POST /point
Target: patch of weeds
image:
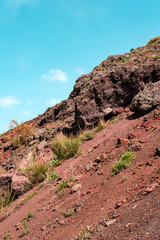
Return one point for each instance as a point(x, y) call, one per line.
point(101, 124)
point(65, 147)
point(30, 215)
point(86, 135)
point(22, 133)
point(29, 196)
point(136, 51)
point(38, 172)
point(7, 235)
point(69, 213)
point(114, 120)
point(124, 179)
point(71, 179)
point(53, 176)
point(55, 162)
point(26, 188)
point(125, 59)
point(153, 40)
point(85, 234)
point(124, 162)
point(156, 56)
point(147, 50)
point(40, 185)
point(24, 228)
point(62, 185)
point(7, 200)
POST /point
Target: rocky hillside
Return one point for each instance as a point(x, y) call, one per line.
point(114, 112)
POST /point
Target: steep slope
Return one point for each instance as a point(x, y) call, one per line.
point(125, 91)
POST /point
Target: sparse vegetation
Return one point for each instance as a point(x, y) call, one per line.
point(62, 186)
point(7, 235)
point(124, 162)
point(7, 200)
point(86, 135)
point(65, 147)
point(29, 196)
point(147, 50)
point(124, 179)
point(114, 120)
point(101, 125)
point(69, 213)
point(156, 56)
point(22, 133)
point(24, 228)
point(26, 188)
point(85, 234)
point(37, 173)
point(30, 215)
point(153, 40)
point(53, 176)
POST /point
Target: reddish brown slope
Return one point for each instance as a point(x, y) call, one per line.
point(133, 204)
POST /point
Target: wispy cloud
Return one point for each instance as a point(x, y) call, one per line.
point(29, 102)
point(52, 102)
point(55, 75)
point(25, 112)
point(80, 70)
point(9, 101)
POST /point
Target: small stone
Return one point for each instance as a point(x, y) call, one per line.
point(151, 188)
point(122, 141)
point(43, 228)
point(110, 222)
point(76, 187)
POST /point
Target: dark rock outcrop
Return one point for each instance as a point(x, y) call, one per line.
point(112, 84)
point(147, 99)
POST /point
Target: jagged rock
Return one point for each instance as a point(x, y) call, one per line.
point(5, 183)
point(19, 183)
point(147, 99)
point(42, 145)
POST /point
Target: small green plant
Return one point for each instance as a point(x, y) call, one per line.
point(124, 179)
point(153, 40)
point(65, 147)
point(24, 228)
point(136, 51)
point(147, 50)
point(114, 120)
point(69, 213)
point(86, 135)
point(30, 215)
point(62, 186)
point(7, 235)
point(38, 172)
point(101, 125)
point(26, 188)
point(124, 162)
point(7, 200)
point(53, 176)
point(85, 234)
point(156, 56)
point(29, 196)
point(55, 162)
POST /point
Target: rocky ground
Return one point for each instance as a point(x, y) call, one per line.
point(125, 90)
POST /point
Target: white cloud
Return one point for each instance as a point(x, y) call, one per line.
point(80, 70)
point(25, 112)
point(55, 75)
point(52, 102)
point(9, 101)
point(29, 102)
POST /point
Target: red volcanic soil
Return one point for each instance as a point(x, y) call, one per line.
point(112, 207)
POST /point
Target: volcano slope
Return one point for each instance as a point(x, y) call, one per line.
point(97, 203)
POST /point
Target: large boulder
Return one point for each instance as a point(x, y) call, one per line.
point(19, 183)
point(147, 99)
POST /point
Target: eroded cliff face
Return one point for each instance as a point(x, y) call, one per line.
point(110, 85)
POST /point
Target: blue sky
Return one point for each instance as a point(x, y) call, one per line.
point(45, 45)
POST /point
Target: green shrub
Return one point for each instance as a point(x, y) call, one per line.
point(69, 213)
point(53, 176)
point(124, 162)
point(156, 56)
point(30, 215)
point(86, 135)
point(62, 186)
point(29, 196)
point(65, 147)
point(114, 120)
point(8, 199)
point(38, 172)
point(153, 40)
point(101, 125)
point(7, 235)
